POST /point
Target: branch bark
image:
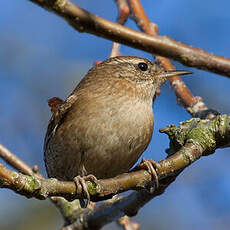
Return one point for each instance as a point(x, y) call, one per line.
point(84, 21)
point(129, 205)
point(192, 104)
point(188, 142)
point(16, 162)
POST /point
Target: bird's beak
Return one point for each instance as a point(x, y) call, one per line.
point(171, 73)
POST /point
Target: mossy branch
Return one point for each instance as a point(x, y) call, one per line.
point(188, 142)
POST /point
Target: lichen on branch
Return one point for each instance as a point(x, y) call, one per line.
point(188, 142)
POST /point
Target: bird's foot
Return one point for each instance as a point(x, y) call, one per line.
point(81, 182)
point(151, 166)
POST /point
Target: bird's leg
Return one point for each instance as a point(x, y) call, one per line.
point(81, 181)
point(150, 166)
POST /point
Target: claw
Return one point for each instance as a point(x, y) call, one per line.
point(150, 166)
point(81, 181)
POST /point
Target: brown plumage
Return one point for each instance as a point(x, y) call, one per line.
point(107, 122)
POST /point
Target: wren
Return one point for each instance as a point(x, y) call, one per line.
point(106, 123)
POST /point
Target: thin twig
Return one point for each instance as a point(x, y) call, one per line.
point(192, 104)
point(123, 14)
point(16, 162)
point(24, 168)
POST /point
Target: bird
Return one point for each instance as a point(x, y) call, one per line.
point(106, 123)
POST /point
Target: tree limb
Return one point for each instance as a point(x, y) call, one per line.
point(192, 104)
point(84, 21)
point(15, 161)
point(188, 142)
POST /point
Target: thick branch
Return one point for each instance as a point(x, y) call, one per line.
point(196, 138)
point(129, 205)
point(115, 208)
point(83, 21)
point(111, 210)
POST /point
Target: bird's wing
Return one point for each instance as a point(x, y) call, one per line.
point(57, 118)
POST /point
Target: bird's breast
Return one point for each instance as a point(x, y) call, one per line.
point(116, 137)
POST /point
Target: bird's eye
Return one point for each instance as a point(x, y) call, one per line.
point(142, 66)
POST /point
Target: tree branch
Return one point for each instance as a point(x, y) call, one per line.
point(123, 15)
point(83, 21)
point(188, 142)
point(16, 162)
point(129, 205)
point(192, 104)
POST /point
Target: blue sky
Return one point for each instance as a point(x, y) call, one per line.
point(41, 56)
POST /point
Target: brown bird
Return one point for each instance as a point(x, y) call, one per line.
point(106, 123)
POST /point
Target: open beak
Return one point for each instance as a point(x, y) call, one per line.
point(171, 73)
